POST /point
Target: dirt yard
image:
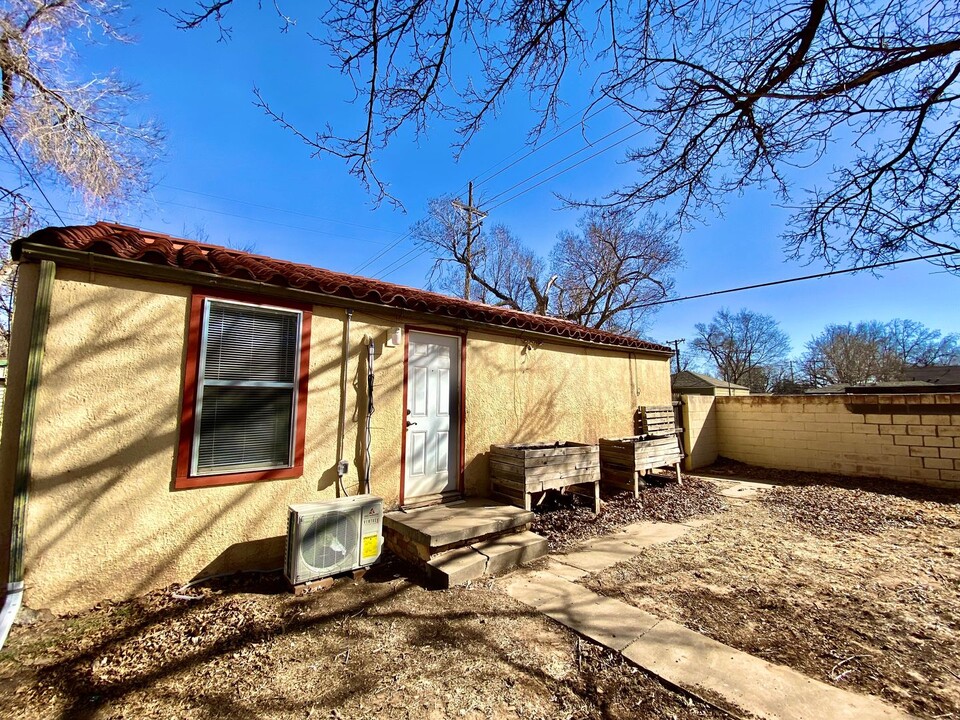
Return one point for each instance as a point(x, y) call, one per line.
point(853, 583)
point(380, 648)
point(567, 520)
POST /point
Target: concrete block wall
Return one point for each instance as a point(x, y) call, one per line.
point(915, 438)
point(699, 431)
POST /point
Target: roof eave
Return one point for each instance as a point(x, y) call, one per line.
point(84, 260)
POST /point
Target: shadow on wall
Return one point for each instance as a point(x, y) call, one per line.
point(103, 521)
point(523, 414)
point(566, 394)
point(265, 555)
point(388, 369)
point(700, 431)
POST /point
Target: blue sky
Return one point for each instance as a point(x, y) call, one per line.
point(242, 180)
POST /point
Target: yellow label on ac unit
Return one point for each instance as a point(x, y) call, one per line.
point(370, 547)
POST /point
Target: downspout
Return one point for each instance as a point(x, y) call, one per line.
point(21, 478)
point(343, 465)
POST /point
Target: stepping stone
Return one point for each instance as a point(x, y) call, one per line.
point(690, 660)
point(645, 534)
point(557, 567)
point(604, 620)
point(599, 554)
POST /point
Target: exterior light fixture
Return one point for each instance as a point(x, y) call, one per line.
point(394, 336)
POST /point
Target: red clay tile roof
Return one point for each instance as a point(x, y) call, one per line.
point(129, 243)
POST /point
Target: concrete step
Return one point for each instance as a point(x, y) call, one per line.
point(441, 526)
point(495, 556)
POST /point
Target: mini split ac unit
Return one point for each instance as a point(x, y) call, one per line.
point(335, 536)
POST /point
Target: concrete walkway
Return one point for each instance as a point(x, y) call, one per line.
point(680, 656)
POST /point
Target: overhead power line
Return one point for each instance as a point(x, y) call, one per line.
point(383, 252)
point(562, 160)
point(561, 172)
point(816, 276)
point(30, 173)
point(803, 277)
point(400, 239)
point(537, 148)
point(269, 222)
point(478, 182)
point(401, 261)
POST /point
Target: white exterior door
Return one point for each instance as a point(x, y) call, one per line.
point(433, 415)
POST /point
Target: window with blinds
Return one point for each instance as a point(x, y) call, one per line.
point(247, 388)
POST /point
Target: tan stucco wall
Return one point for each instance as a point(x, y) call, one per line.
point(699, 431)
point(914, 438)
point(519, 391)
point(103, 520)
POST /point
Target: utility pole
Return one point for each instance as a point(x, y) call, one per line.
point(676, 349)
point(469, 210)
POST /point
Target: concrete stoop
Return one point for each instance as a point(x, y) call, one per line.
point(464, 541)
point(491, 557)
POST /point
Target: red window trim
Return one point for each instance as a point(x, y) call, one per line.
point(183, 479)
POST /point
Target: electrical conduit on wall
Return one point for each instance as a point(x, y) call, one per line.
point(341, 463)
point(368, 437)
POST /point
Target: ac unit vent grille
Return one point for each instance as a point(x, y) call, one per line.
point(333, 536)
point(328, 541)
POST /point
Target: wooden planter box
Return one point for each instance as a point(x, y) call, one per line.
point(519, 471)
point(624, 461)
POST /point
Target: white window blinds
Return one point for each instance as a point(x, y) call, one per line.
point(247, 390)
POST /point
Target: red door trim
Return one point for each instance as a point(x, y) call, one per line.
point(462, 336)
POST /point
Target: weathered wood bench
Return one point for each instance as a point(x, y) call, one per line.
point(518, 472)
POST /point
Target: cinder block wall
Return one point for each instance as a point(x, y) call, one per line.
point(699, 431)
point(915, 438)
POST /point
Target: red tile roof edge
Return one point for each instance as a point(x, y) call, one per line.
point(130, 243)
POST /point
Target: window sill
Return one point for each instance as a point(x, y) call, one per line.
point(202, 481)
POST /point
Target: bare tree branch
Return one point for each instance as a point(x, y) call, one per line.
point(727, 95)
point(77, 127)
point(59, 124)
point(745, 347)
point(601, 277)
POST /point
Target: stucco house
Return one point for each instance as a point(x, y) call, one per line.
point(168, 399)
point(687, 382)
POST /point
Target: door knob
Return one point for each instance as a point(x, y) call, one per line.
point(410, 422)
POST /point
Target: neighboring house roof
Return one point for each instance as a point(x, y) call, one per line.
point(687, 379)
point(128, 243)
point(935, 374)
